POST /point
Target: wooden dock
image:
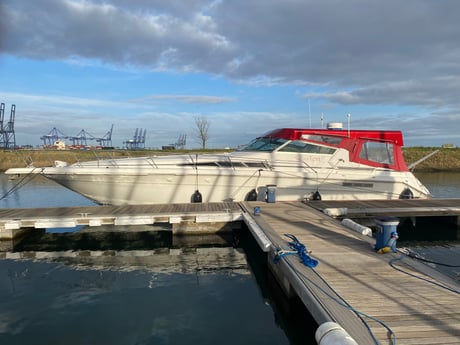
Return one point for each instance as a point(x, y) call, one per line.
point(351, 273)
point(396, 207)
point(180, 215)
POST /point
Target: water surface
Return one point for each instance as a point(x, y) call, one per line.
point(135, 300)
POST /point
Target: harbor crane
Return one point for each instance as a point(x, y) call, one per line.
point(106, 140)
point(80, 139)
point(138, 140)
point(180, 143)
point(7, 135)
point(53, 136)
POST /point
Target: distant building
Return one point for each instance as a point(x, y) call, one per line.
point(448, 146)
point(59, 145)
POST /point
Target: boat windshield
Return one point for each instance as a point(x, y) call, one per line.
point(283, 145)
point(327, 139)
point(303, 147)
point(264, 144)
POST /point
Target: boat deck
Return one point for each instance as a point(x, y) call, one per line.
point(351, 273)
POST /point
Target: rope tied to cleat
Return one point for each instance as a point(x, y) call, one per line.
point(296, 248)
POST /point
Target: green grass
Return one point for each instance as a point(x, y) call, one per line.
point(444, 160)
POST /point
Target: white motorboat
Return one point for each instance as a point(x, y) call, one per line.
point(285, 164)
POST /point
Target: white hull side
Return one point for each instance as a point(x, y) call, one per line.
point(165, 188)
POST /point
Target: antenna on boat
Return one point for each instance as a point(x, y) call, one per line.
point(348, 123)
point(322, 120)
point(196, 196)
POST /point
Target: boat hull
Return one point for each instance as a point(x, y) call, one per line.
point(165, 188)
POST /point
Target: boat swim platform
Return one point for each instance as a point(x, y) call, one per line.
point(352, 276)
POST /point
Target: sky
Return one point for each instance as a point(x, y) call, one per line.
point(247, 67)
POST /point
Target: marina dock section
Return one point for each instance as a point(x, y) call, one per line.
point(191, 218)
point(353, 285)
point(376, 298)
point(417, 217)
point(396, 207)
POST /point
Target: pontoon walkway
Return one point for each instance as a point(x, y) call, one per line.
point(351, 272)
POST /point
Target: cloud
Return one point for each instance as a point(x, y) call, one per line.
point(188, 99)
point(59, 101)
point(360, 43)
point(379, 51)
point(120, 33)
point(352, 53)
point(420, 92)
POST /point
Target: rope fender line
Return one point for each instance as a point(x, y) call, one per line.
point(296, 248)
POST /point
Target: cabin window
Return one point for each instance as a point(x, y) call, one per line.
point(303, 147)
point(323, 138)
point(264, 144)
point(377, 152)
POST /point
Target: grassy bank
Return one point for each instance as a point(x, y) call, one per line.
point(444, 160)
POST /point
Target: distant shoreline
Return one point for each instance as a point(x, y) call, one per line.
point(447, 159)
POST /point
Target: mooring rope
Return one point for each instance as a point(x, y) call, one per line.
point(22, 182)
point(401, 257)
point(299, 248)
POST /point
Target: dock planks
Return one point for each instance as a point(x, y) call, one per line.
point(396, 207)
point(56, 217)
point(417, 312)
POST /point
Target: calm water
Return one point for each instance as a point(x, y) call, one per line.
point(441, 185)
point(135, 302)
